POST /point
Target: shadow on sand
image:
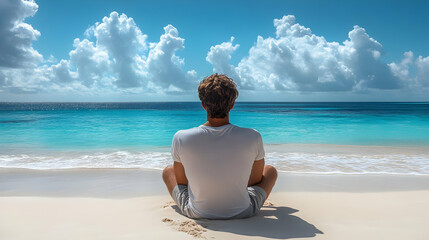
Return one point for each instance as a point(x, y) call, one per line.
point(271, 222)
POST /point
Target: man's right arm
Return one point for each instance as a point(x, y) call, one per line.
point(256, 173)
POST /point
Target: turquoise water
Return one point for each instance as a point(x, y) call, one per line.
point(97, 126)
point(41, 129)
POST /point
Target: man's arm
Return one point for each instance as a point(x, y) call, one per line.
point(256, 173)
point(179, 171)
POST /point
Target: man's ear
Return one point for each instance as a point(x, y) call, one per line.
point(202, 104)
point(232, 106)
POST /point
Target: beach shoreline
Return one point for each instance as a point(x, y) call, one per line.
point(134, 204)
point(135, 182)
point(290, 158)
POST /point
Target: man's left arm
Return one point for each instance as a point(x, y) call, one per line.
point(179, 171)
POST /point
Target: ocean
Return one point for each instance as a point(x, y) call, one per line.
point(322, 137)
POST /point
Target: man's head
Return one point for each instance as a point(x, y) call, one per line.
point(217, 94)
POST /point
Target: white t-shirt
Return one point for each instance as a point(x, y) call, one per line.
point(218, 162)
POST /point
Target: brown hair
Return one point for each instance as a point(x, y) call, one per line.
point(217, 92)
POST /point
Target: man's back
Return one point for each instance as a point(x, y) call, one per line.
point(218, 162)
point(215, 162)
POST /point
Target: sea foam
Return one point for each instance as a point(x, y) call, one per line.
point(297, 162)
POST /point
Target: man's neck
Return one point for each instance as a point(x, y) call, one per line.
point(216, 122)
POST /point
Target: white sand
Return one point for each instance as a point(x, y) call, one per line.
point(47, 205)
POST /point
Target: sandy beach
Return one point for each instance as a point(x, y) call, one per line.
point(133, 204)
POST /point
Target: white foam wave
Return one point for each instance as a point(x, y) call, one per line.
point(350, 163)
point(416, 164)
point(117, 159)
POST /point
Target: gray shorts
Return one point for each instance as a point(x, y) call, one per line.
point(257, 198)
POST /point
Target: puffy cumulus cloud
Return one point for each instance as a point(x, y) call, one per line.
point(413, 71)
point(123, 41)
point(43, 79)
point(122, 57)
point(164, 66)
point(402, 69)
point(17, 36)
point(363, 58)
point(61, 72)
point(114, 56)
point(115, 59)
point(220, 56)
point(17, 80)
point(422, 65)
point(298, 60)
point(91, 63)
point(2, 80)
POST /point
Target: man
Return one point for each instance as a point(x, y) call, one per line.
point(218, 170)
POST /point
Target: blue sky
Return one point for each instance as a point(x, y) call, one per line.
point(308, 66)
point(399, 25)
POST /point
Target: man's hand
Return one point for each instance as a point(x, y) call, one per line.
point(256, 173)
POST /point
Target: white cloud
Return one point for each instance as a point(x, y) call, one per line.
point(2, 80)
point(298, 60)
point(414, 72)
point(164, 66)
point(91, 62)
point(114, 60)
point(123, 41)
point(401, 69)
point(220, 55)
point(17, 36)
point(364, 53)
point(423, 70)
point(119, 59)
point(61, 72)
point(27, 80)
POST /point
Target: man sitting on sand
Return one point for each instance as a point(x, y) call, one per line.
point(218, 170)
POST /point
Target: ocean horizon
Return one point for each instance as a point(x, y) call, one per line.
point(302, 137)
